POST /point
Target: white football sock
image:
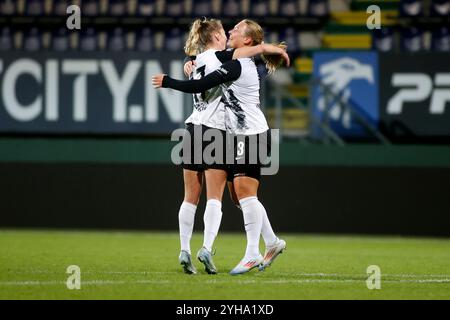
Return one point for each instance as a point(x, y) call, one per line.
point(266, 231)
point(212, 219)
point(186, 217)
point(253, 218)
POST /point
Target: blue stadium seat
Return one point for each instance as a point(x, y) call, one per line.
point(60, 7)
point(6, 39)
point(290, 36)
point(259, 8)
point(318, 8)
point(90, 8)
point(412, 39)
point(32, 40)
point(144, 40)
point(271, 35)
point(60, 40)
point(231, 8)
point(440, 8)
point(8, 7)
point(411, 8)
point(117, 8)
point(441, 39)
point(175, 8)
point(288, 8)
point(146, 8)
point(117, 40)
point(383, 39)
point(88, 39)
point(202, 8)
point(174, 40)
point(34, 7)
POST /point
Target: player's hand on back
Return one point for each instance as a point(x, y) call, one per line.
point(286, 58)
point(277, 49)
point(157, 80)
point(189, 67)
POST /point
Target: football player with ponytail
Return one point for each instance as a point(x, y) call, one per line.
point(207, 42)
point(239, 83)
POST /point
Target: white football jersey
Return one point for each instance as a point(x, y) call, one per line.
point(208, 109)
point(243, 114)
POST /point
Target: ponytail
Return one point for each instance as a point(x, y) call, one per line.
point(191, 46)
point(273, 62)
point(200, 35)
point(256, 33)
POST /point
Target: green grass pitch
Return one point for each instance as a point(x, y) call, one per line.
point(144, 265)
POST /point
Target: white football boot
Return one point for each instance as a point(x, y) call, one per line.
point(205, 257)
point(245, 265)
point(272, 252)
point(186, 262)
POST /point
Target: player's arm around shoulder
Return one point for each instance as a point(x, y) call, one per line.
point(263, 48)
point(227, 72)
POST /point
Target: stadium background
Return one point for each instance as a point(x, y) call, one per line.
point(351, 161)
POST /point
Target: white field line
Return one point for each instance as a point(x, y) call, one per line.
point(214, 281)
point(362, 275)
point(288, 274)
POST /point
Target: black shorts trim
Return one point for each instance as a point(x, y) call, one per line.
point(246, 170)
point(193, 167)
point(197, 147)
point(250, 154)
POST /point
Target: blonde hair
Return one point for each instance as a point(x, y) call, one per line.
point(256, 33)
point(200, 35)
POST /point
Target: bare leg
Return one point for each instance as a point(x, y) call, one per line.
point(233, 195)
point(245, 187)
point(193, 182)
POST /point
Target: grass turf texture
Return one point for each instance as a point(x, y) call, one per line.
point(139, 265)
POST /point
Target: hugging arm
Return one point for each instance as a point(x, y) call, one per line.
point(264, 48)
point(227, 72)
point(243, 52)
